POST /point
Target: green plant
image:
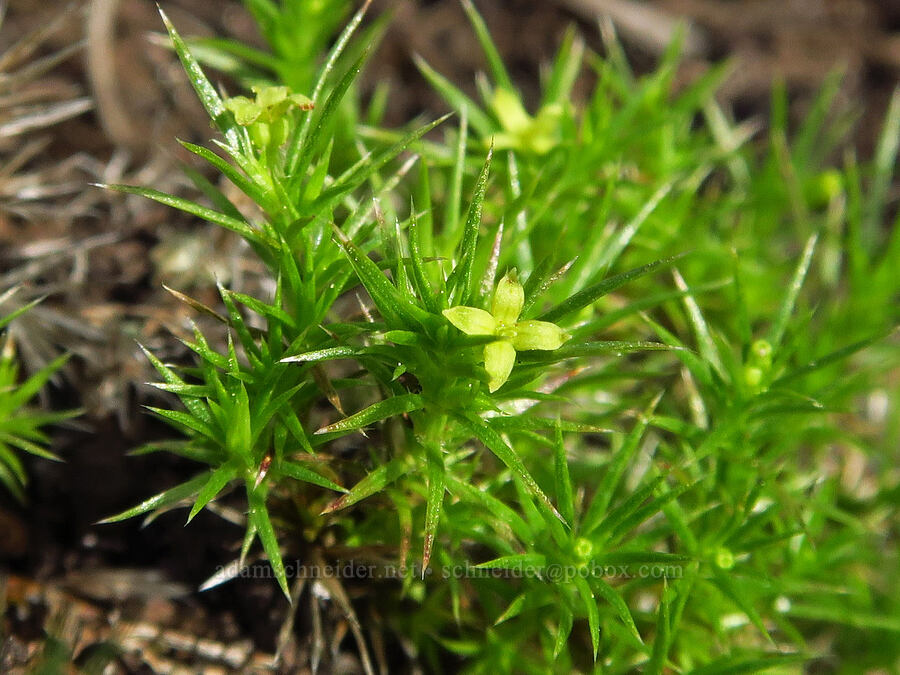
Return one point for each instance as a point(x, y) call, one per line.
point(297, 34)
point(21, 426)
point(603, 466)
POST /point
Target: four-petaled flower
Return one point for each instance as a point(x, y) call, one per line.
point(271, 104)
point(266, 117)
point(519, 130)
point(503, 322)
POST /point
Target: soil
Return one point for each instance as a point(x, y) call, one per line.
point(102, 258)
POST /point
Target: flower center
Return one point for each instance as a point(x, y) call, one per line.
point(506, 330)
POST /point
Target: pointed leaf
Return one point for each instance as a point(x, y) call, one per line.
point(517, 561)
point(495, 443)
point(705, 342)
point(588, 295)
point(374, 482)
point(395, 308)
point(460, 281)
point(327, 354)
point(299, 472)
point(205, 91)
point(736, 665)
point(828, 359)
point(165, 498)
point(513, 609)
point(563, 630)
point(185, 420)
point(417, 263)
point(366, 168)
point(598, 348)
point(658, 656)
point(587, 598)
point(564, 499)
point(457, 100)
point(615, 470)
point(218, 479)
point(736, 593)
point(436, 471)
point(229, 223)
point(396, 405)
point(259, 516)
point(495, 62)
point(610, 594)
point(500, 511)
point(790, 298)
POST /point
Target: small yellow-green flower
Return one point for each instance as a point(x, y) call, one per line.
point(520, 131)
point(265, 117)
point(270, 105)
point(503, 322)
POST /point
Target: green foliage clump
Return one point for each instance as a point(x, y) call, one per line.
point(603, 391)
point(22, 426)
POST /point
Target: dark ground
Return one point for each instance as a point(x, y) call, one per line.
point(101, 258)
